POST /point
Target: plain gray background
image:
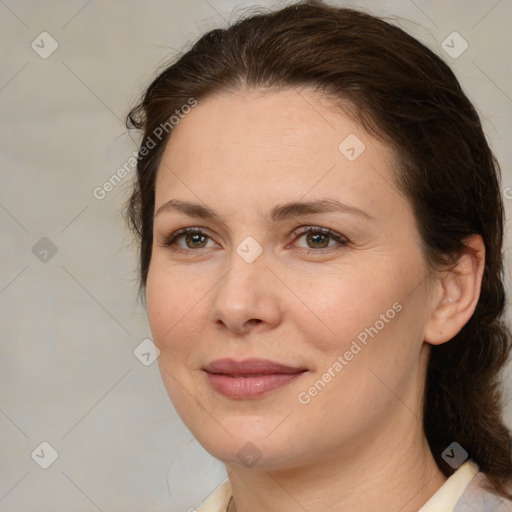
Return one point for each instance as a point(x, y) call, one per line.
point(69, 316)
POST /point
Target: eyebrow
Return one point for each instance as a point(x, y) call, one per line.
point(278, 213)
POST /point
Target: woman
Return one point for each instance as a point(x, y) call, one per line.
point(320, 227)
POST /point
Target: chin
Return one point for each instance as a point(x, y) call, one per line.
point(251, 451)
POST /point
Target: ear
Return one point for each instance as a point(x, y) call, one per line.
point(458, 293)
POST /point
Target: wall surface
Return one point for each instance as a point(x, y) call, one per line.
point(70, 324)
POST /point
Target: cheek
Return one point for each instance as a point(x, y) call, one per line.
point(173, 304)
point(161, 304)
point(361, 372)
point(342, 306)
point(173, 309)
point(362, 322)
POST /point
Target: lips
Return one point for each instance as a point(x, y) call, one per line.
point(249, 367)
point(250, 378)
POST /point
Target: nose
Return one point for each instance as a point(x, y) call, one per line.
point(247, 297)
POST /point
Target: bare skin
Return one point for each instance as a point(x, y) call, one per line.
point(358, 443)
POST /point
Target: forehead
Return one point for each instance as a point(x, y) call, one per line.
point(290, 142)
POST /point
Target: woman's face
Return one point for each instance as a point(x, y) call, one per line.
point(345, 310)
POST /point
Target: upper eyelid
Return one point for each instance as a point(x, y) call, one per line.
point(297, 232)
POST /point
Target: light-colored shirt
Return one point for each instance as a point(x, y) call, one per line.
point(462, 492)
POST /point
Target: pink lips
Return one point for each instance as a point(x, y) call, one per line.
point(249, 378)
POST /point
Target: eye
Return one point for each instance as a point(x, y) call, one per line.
point(319, 238)
point(193, 238)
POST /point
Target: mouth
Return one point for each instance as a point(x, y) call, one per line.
point(249, 378)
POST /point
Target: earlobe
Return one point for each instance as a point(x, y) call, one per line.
point(460, 291)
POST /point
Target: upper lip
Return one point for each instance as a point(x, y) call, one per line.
point(249, 366)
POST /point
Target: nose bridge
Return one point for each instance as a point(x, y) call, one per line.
point(246, 272)
point(244, 292)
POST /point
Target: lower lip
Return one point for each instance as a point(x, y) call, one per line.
point(249, 387)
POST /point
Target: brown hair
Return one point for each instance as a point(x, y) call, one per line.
point(405, 94)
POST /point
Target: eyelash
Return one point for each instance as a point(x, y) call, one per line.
point(341, 240)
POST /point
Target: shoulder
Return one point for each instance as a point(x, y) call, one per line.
point(476, 498)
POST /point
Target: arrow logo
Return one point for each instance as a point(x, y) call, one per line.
point(44, 45)
point(455, 455)
point(146, 352)
point(454, 45)
point(249, 249)
point(44, 455)
point(44, 250)
point(351, 147)
point(249, 454)
point(451, 455)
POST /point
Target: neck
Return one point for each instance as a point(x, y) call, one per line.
point(398, 474)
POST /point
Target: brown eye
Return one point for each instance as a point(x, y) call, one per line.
point(317, 240)
point(194, 240)
point(321, 238)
